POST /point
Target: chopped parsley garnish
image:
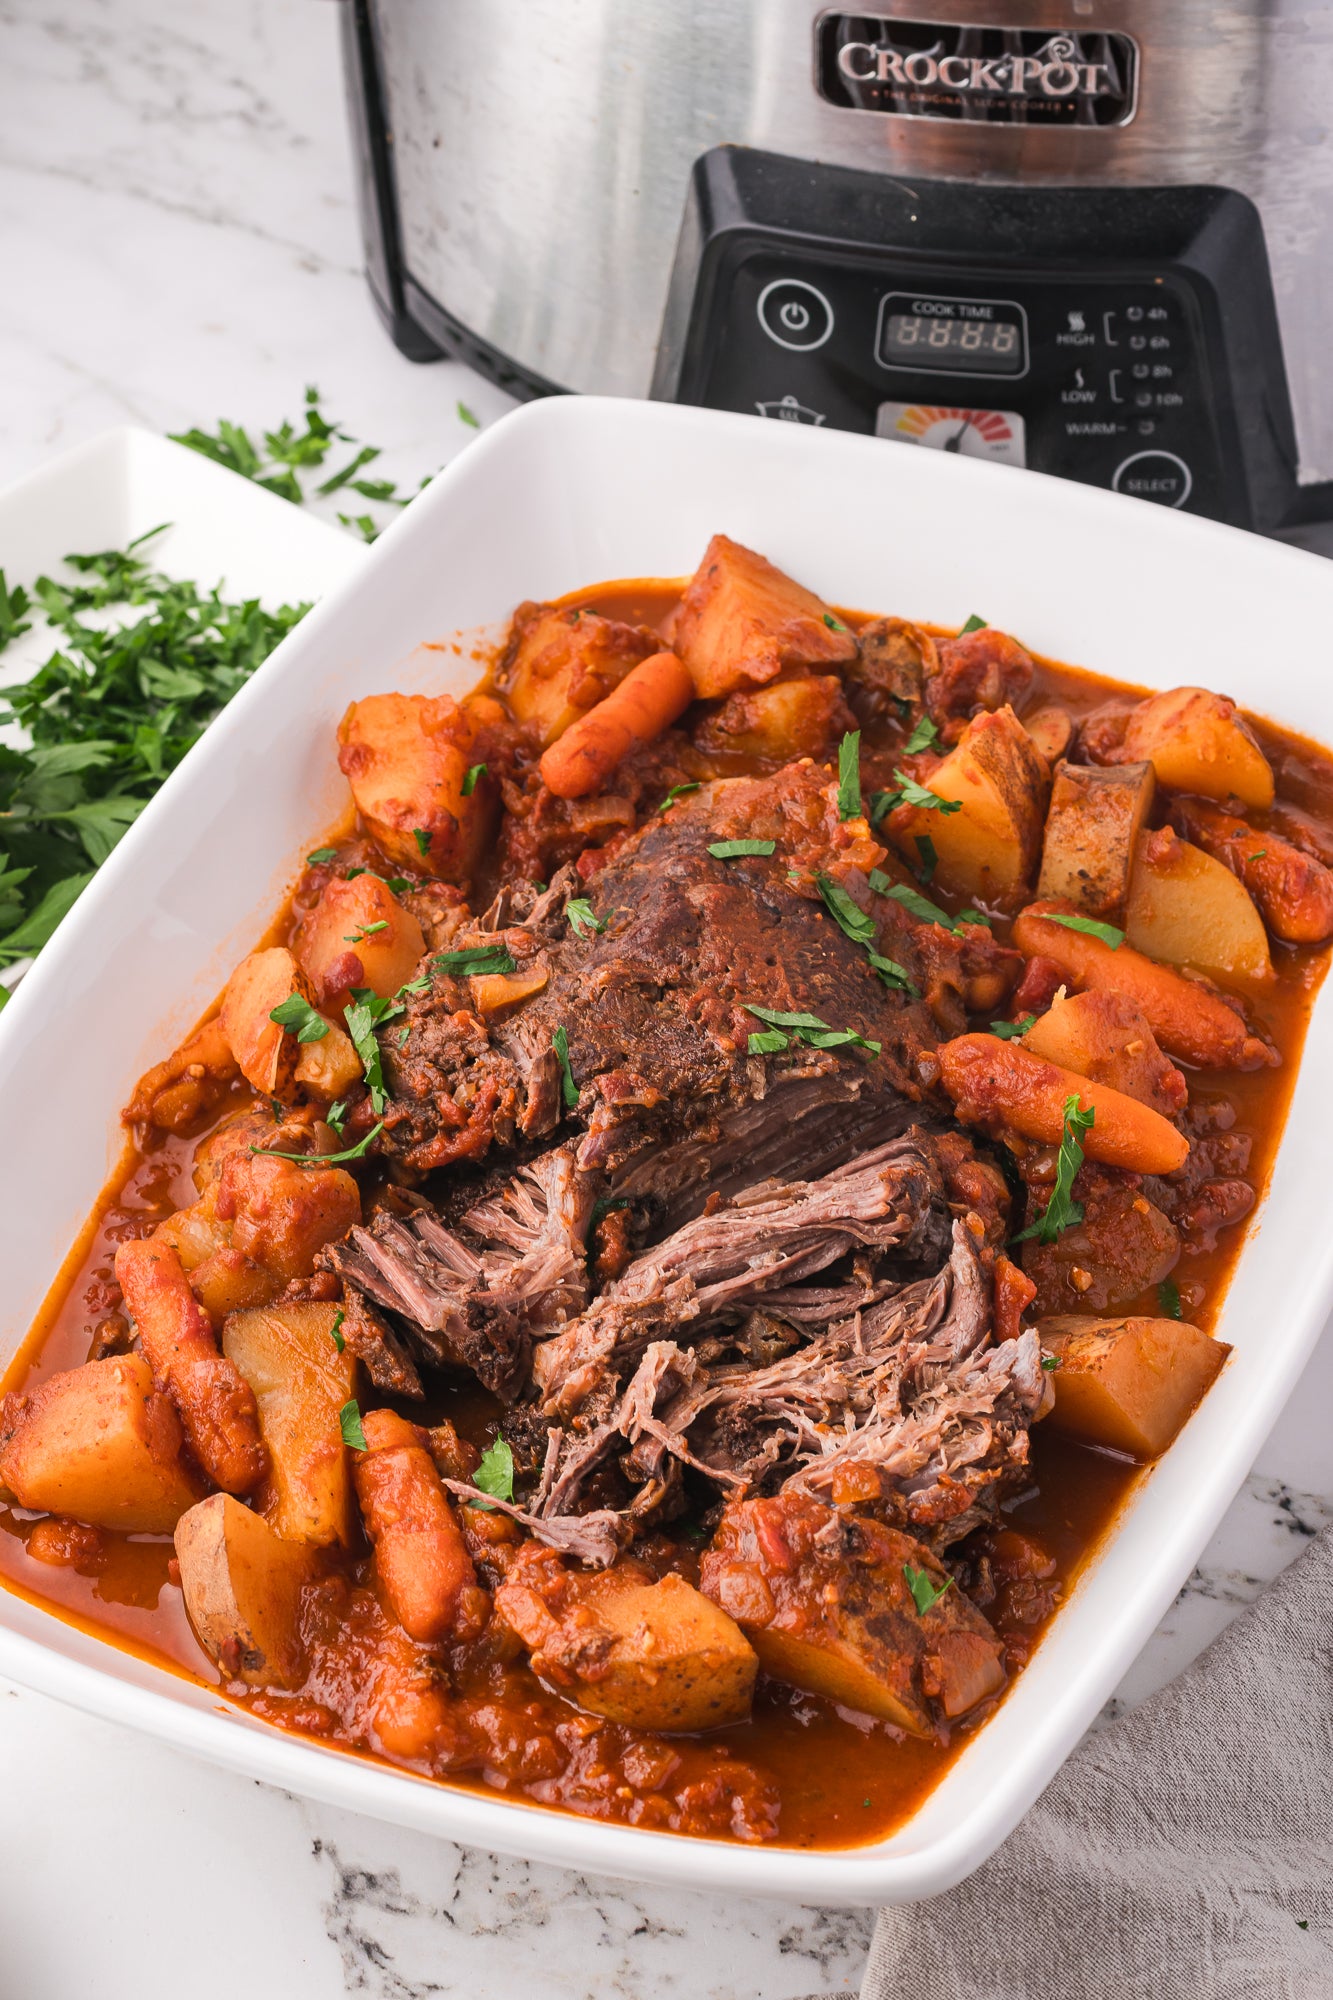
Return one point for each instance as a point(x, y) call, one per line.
point(922, 736)
point(881, 803)
point(732, 850)
point(297, 1017)
point(469, 784)
point(971, 916)
point(320, 856)
point(569, 1089)
point(1257, 857)
point(581, 917)
point(1090, 926)
point(834, 624)
point(911, 899)
point(349, 1423)
point(849, 775)
point(913, 794)
point(366, 930)
point(465, 416)
point(422, 839)
point(365, 1012)
point(855, 924)
point(395, 884)
point(276, 1110)
point(495, 1474)
point(925, 847)
point(1168, 1298)
point(974, 624)
point(471, 960)
point(336, 1330)
point(1061, 1212)
point(1050, 1362)
point(336, 1116)
point(403, 1033)
point(605, 1204)
point(678, 792)
point(806, 1028)
point(356, 1152)
point(770, 1043)
point(924, 1592)
point(1006, 1030)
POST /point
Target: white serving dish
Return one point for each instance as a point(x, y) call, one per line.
point(560, 494)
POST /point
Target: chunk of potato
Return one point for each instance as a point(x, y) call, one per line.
point(1197, 741)
point(824, 1598)
point(1188, 909)
point(1052, 730)
point(741, 621)
point(406, 757)
point(242, 1587)
point(1096, 815)
point(265, 1053)
point(559, 663)
point(98, 1444)
point(1105, 1036)
point(281, 1215)
point(801, 717)
point(358, 934)
point(1293, 890)
point(1128, 1384)
point(328, 1068)
point(990, 846)
point(301, 1382)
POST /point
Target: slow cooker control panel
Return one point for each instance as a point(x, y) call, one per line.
point(1075, 332)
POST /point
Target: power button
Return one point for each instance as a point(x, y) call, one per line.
point(795, 314)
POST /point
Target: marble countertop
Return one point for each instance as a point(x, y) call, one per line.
point(181, 244)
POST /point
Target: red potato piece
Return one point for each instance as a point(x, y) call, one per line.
point(1187, 909)
point(1128, 1384)
point(1191, 1022)
point(823, 1596)
point(242, 1586)
point(647, 701)
point(98, 1444)
point(1052, 731)
point(559, 663)
point(1293, 890)
point(1105, 1036)
point(328, 1068)
point(999, 1084)
point(420, 1556)
point(1093, 824)
point(406, 757)
point(194, 1079)
point(802, 717)
point(215, 1405)
point(741, 621)
point(281, 1215)
point(301, 1382)
point(265, 1053)
point(1199, 742)
point(358, 934)
point(989, 846)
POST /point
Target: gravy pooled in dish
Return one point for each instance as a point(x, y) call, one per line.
point(643, 1297)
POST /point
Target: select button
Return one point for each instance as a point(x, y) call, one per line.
point(1155, 475)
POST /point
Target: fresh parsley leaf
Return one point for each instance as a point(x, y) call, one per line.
point(605, 1204)
point(971, 916)
point(732, 850)
point(847, 915)
point(356, 1152)
point(677, 792)
point(365, 1012)
point(422, 839)
point(465, 416)
point(366, 930)
point(922, 736)
point(769, 1043)
point(495, 1475)
point(336, 1116)
point(469, 784)
point(834, 624)
point(912, 794)
point(1168, 1298)
point(395, 884)
point(297, 1017)
point(1249, 857)
point(911, 899)
point(894, 975)
point(336, 1332)
point(1050, 1362)
point(810, 1029)
point(349, 1423)
point(925, 847)
point(473, 959)
point(581, 918)
point(1061, 1212)
point(974, 624)
point(569, 1089)
point(1089, 925)
point(1007, 1030)
point(924, 1592)
point(322, 855)
point(849, 775)
point(13, 604)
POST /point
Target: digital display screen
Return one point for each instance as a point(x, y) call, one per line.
point(965, 346)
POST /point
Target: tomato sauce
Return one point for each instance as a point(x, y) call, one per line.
point(819, 1776)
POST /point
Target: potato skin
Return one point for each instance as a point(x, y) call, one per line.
point(264, 1052)
point(405, 757)
point(337, 949)
point(990, 847)
point(1199, 742)
point(1129, 1383)
point(300, 1383)
point(98, 1444)
point(741, 621)
point(242, 1587)
point(1092, 827)
point(1188, 909)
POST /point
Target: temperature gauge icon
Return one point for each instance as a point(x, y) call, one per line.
point(994, 434)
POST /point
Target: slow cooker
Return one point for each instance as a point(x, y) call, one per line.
point(1093, 237)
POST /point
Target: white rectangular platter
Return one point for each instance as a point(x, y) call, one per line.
point(561, 494)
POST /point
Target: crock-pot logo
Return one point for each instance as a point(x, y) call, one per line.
point(921, 69)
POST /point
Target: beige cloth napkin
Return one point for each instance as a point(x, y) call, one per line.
point(1183, 1853)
